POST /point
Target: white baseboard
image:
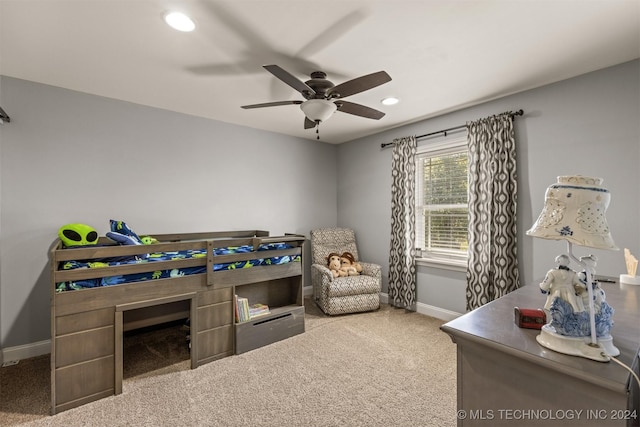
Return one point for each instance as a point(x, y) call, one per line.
point(307, 291)
point(20, 352)
point(437, 312)
point(428, 310)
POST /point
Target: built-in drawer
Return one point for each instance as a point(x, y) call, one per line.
point(214, 296)
point(84, 379)
point(215, 315)
point(215, 343)
point(264, 330)
point(83, 346)
point(83, 321)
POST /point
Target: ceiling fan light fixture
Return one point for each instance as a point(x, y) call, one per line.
point(391, 100)
point(318, 110)
point(179, 21)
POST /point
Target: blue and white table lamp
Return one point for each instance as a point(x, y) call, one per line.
point(580, 319)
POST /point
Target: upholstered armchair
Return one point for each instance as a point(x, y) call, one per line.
point(340, 295)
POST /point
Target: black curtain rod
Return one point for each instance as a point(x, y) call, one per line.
point(444, 131)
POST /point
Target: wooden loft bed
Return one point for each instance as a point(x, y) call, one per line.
point(87, 324)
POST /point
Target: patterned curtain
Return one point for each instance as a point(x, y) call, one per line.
point(402, 268)
point(493, 265)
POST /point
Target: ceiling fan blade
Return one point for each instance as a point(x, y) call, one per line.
point(291, 80)
point(359, 110)
point(309, 124)
point(333, 33)
point(359, 84)
point(272, 104)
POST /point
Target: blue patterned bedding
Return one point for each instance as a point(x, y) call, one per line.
point(168, 256)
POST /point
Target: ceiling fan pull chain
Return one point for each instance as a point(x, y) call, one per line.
point(318, 130)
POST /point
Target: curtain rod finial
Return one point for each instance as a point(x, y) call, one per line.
point(4, 117)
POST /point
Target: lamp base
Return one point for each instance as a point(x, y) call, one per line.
point(577, 346)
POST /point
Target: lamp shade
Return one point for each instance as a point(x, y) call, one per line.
point(574, 210)
point(318, 110)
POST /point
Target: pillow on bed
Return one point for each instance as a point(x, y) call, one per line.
point(122, 234)
point(122, 238)
point(121, 227)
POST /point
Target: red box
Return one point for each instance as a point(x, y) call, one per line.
point(530, 318)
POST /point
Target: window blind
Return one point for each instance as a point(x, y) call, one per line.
point(442, 203)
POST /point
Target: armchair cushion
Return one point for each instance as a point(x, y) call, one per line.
point(348, 285)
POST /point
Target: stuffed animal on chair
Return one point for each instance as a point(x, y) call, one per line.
point(349, 265)
point(334, 264)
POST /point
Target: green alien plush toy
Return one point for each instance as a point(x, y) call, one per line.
point(78, 235)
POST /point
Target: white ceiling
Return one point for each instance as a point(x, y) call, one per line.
point(441, 54)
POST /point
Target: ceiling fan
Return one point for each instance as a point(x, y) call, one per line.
point(323, 98)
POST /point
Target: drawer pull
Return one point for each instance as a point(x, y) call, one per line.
point(272, 319)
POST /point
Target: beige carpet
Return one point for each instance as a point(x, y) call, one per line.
point(385, 368)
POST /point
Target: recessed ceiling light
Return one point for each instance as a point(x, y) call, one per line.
point(390, 101)
point(179, 21)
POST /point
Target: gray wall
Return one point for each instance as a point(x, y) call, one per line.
point(72, 157)
point(588, 125)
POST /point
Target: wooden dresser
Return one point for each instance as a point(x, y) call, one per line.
point(506, 378)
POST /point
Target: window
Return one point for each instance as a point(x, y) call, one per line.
point(441, 200)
